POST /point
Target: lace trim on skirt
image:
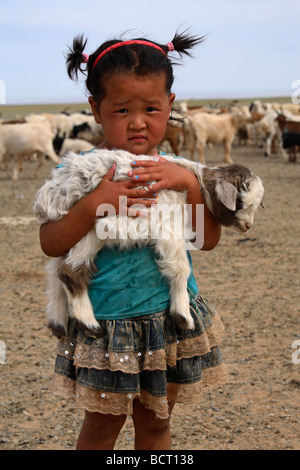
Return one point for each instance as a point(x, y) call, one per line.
point(91, 356)
point(122, 403)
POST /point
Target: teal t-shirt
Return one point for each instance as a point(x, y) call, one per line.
point(128, 283)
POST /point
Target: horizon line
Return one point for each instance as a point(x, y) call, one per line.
point(206, 98)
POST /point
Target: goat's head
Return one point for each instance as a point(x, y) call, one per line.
point(58, 141)
point(234, 194)
point(80, 128)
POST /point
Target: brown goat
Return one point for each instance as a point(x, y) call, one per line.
point(290, 127)
point(174, 135)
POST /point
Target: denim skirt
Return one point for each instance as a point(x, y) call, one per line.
point(146, 358)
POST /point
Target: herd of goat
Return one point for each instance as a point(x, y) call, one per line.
point(273, 126)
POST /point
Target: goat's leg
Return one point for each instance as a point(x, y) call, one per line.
point(201, 153)
point(227, 150)
point(17, 166)
point(75, 281)
point(57, 308)
point(174, 266)
point(293, 154)
point(40, 163)
point(192, 152)
point(268, 145)
point(76, 273)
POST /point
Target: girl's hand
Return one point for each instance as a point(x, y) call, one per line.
point(126, 192)
point(168, 175)
point(162, 175)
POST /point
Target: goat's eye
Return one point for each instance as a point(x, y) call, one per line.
point(239, 204)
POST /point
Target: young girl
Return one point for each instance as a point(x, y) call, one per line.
point(143, 364)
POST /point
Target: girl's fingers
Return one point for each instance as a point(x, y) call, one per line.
point(149, 171)
point(145, 163)
point(153, 180)
point(157, 185)
point(145, 176)
point(141, 202)
point(110, 174)
point(136, 213)
point(141, 193)
point(148, 163)
point(135, 206)
point(143, 166)
point(131, 184)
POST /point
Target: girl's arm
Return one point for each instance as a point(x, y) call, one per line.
point(171, 176)
point(57, 237)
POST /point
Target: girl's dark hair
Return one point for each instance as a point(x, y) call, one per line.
point(134, 58)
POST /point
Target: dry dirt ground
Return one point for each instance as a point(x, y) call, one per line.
point(252, 279)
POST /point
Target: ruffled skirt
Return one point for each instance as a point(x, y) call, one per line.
point(146, 357)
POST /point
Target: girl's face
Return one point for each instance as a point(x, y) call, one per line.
point(134, 112)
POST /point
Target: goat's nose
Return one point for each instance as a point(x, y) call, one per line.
point(248, 225)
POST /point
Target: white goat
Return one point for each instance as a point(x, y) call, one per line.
point(269, 129)
point(19, 141)
point(232, 193)
point(217, 128)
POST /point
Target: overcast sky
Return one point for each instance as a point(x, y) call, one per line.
point(251, 50)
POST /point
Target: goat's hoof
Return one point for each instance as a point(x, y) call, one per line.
point(57, 330)
point(95, 332)
point(184, 323)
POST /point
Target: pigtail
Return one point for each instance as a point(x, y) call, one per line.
point(182, 42)
point(75, 58)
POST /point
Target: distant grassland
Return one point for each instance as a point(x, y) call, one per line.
point(10, 112)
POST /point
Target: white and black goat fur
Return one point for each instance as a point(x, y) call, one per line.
point(232, 193)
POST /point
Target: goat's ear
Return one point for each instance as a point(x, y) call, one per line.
point(227, 194)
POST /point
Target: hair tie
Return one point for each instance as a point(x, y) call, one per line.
point(170, 46)
point(85, 58)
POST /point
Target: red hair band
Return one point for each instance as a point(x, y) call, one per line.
point(127, 43)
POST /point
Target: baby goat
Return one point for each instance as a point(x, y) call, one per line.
point(232, 193)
